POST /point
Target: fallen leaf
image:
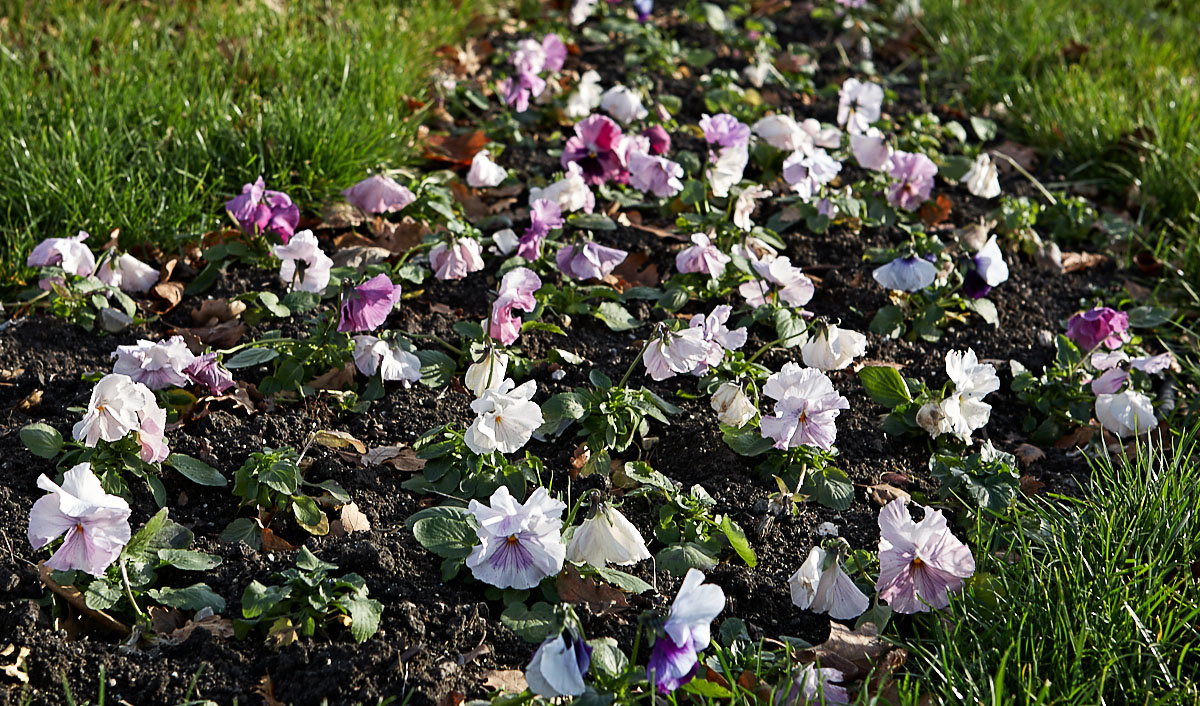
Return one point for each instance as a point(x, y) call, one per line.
point(398, 237)
point(452, 698)
point(579, 459)
point(240, 395)
point(402, 458)
point(1031, 486)
point(1028, 453)
point(338, 440)
point(169, 295)
point(1079, 437)
point(215, 311)
point(883, 493)
point(265, 688)
point(896, 479)
point(853, 652)
point(1073, 51)
point(454, 149)
point(73, 596)
point(340, 214)
point(1021, 154)
point(936, 211)
point(599, 598)
point(33, 399)
point(1080, 261)
point(472, 205)
point(637, 270)
point(11, 374)
point(165, 620)
point(274, 543)
point(664, 233)
point(335, 379)
point(511, 681)
point(1148, 263)
point(223, 335)
point(353, 520)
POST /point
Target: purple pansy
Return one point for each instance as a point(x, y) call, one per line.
point(368, 305)
point(209, 374)
point(588, 261)
point(724, 130)
point(1102, 325)
point(597, 148)
point(516, 292)
point(259, 210)
point(687, 631)
point(544, 216)
point(912, 176)
point(379, 194)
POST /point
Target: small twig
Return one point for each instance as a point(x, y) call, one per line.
point(1025, 173)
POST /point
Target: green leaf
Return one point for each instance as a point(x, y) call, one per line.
point(986, 130)
point(737, 539)
point(139, 543)
point(307, 561)
point(445, 536)
point(364, 617)
point(591, 221)
point(189, 560)
point(888, 321)
point(308, 515)
point(101, 595)
point(607, 658)
point(251, 357)
point(258, 599)
point(194, 597)
point(468, 329)
point(678, 558)
point(599, 379)
point(789, 326)
point(542, 326)
point(282, 476)
point(270, 302)
point(623, 581)
point(885, 385)
point(1149, 316)
point(616, 317)
point(459, 514)
point(533, 625)
point(565, 405)
point(984, 308)
point(436, 368)
point(42, 440)
point(196, 470)
point(707, 689)
point(746, 441)
point(245, 530)
point(830, 486)
point(673, 299)
point(301, 302)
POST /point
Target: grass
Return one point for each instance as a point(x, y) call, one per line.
point(148, 116)
point(1090, 601)
point(1126, 111)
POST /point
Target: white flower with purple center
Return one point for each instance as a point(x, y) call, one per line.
point(520, 543)
point(94, 525)
point(860, 103)
point(672, 352)
point(717, 336)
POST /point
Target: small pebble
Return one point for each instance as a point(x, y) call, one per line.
point(827, 529)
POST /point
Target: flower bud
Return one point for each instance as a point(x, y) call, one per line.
point(929, 418)
point(487, 374)
point(732, 406)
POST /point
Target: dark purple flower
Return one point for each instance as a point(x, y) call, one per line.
point(544, 216)
point(207, 372)
point(258, 210)
point(588, 261)
point(367, 306)
point(672, 665)
point(596, 148)
point(660, 139)
point(1101, 325)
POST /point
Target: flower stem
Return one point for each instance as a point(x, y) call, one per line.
point(129, 590)
point(632, 365)
point(441, 341)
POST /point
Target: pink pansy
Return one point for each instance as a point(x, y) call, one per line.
point(872, 151)
point(717, 336)
point(484, 173)
point(368, 305)
point(724, 130)
point(516, 292)
point(687, 631)
point(1110, 382)
point(379, 194)
point(673, 352)
point(1100, 326)
point(702, 256)
point(94, 525)
point(518, 90)
point(920, 564)
point(456, 260)
point(660, 139)
point(544, 216)
point(588, 261)
point(260, 210)
point(777, 276)
point(155, 365)
point(1153, 363)
point(657, 175)
point(128, 274)
point(912, 180)
point(806, 173)
point(571, 193)
point(373, 355)
point(117, 406)
point(303, 249)
point(151, 436)
point(520, 543)
point(1103, 360)
point(806, 405)
point(209, 374)
point(596, 148)
point(70, 254)
point(828, 137)
point(743, 208)
point(859, 105)
point(555, 51)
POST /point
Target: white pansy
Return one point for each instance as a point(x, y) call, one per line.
point(820, 585)
point(607, 538)
point(983, 179)
point(487, 373)
point(506, 418)
point(393, 363)
point(484, 173)
point(1126, 413)
point(732, 406)
point(586, 97)
point(833, 348)
point(623, 104)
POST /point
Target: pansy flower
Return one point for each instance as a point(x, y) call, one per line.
point(367, 306)
point(520, 543)
point(259, 210)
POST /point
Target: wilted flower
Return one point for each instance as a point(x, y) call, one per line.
point(69, 253)
point(155, 365)
point(920, 564)
point(820, 585)
point(859, 104)
point(660, 139)
point(484, 172)
point(595, 147)
point(686, 633)
point(607, 538)
point(487, 373)
point(743, 208)
point(368, 305)
point(505, 418)
point(95, 524)
point(983, 179)
point(717, 337)
point(906, 274)
point(520, 544)
point(989, 270)
point(778, 273)
point(589, 260)
point(571, 193)
point(783, 133)
point(813, 685)
point(516, 292)
point(832, 348)
point(304, 248)
point(459, 258)
point(702, 256)
point(871, 150)
point(806, 405)
point(623, 104)
point(586, 97)
point(1099, 326)
point(727, 169)
point(379, 194)
point(258, 210)
point(1126, 413)
point(127, 273)
point(671, 352)
point(393, 363)
point(208, 373)
point(723, 130)
point(558, 666)
point(732, 406)
point(656, 175)
point(505, 241)
point(544, 217)
point(1152, 364)
point(912, 176)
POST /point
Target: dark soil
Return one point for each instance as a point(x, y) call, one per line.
point(440, 637)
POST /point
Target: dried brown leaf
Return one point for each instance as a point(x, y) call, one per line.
point(338, 440)
point(353, 520)
point(265, 689)
point(853, 652)
point(167, 295)
point(458, 149)
point(1080, 261)
point(16, 670)
point(215, 311)
point(883, 493)
point(510, 681)
point(335, 379)
point(33, 399)
point(274, 543)
point(1028, 453)
point(599, 598)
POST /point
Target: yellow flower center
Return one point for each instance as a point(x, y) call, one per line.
point(512, 539)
